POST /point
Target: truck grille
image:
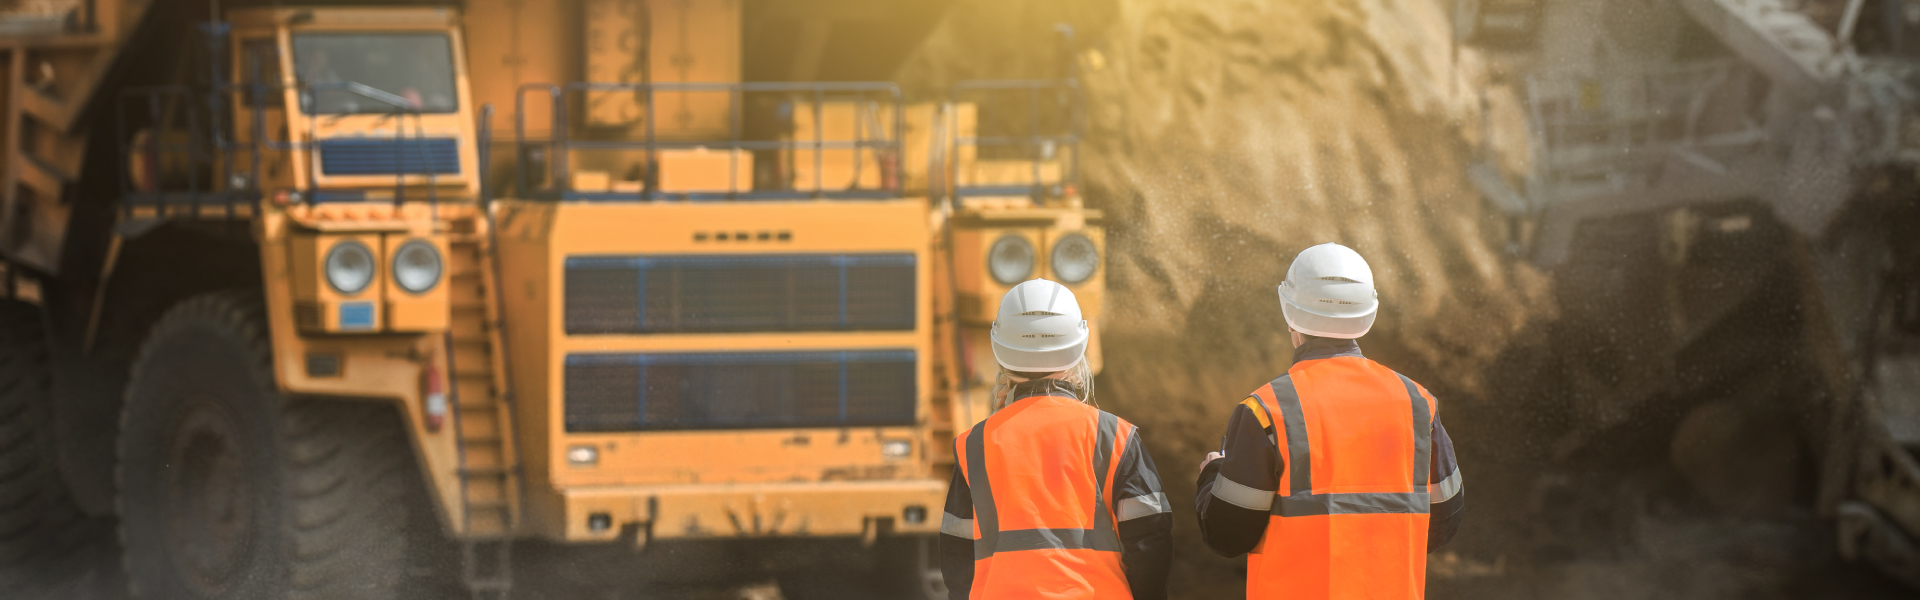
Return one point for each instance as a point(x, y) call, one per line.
point(739, 390)
point(377, 156)
point(701, 294)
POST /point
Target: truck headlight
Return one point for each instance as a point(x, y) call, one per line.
point(1074, 258)
point(896, 448)
point(417, 266)
point(349, 267)
point(1010, 259)
point(583, 456)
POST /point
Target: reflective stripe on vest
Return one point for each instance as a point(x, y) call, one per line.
point(1350, 517)
point(1300, 500)
point(1102, 537)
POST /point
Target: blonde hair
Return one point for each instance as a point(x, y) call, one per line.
point(1077, 379)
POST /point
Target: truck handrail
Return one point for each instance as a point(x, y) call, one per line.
point(159, 148)
point(1041, 144)
point(202, 153)
point(560, 141)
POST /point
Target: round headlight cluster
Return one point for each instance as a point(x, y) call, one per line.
point(1074, 258)
point(417, 266)
point(349, 267)
point(1010, 259)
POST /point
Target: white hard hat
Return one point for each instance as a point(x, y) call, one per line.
point(1039, 329)
point(1329, 293)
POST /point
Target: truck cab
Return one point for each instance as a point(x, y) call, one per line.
point(362, 103)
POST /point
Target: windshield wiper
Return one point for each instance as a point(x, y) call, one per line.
point(365, 91)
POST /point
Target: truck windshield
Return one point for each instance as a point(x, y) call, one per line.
point(409, 68)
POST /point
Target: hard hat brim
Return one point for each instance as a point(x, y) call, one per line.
point(1039, 361)
point(1345, 328)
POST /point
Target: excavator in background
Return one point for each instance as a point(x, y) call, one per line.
point(1733, 187)
point(330, 294)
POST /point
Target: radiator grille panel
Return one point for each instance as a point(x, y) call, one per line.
point(307, 315)
point(699, 294)
point(375, 156)
point(742, 390)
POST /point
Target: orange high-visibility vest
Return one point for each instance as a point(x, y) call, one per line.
point(1041, 475)
point(1351, 517)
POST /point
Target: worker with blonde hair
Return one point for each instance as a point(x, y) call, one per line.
point(1051, 496)
point(1336, 478)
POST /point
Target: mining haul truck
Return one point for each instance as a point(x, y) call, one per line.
point(556, 270)
point(1733, 187)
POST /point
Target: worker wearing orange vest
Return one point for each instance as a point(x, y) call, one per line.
point(1336, 477)
point(1052, 498)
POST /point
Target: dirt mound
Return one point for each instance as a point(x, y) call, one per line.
point(1225, 137)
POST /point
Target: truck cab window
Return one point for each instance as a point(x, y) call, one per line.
point(411, 69)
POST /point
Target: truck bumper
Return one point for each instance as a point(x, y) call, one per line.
point(814, 509)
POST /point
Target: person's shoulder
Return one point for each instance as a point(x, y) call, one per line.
point(1408, 380)
point(1104, 413)
point(1266, 392)
point(1123, 423)
point(1267, 386)
point(960, 437)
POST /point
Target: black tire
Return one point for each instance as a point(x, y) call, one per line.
point(231, 490)
point(894, 568)
point(46, 542)
point(909, 567)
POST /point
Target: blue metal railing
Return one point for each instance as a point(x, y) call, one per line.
point(206, 153)
point(1051, 138)
point(561, 142)
point(1042, 142)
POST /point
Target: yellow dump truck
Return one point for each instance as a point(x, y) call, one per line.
point(309, 277)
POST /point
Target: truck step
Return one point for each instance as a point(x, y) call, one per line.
point(488, 524)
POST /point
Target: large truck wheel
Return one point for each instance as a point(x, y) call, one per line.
point(46, 542)
point(893, 568)
point(231, 490)
point(910, 568)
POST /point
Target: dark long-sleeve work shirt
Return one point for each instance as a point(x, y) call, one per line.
point(1252, 466)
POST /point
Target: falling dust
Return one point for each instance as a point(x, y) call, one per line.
point(1226, 136)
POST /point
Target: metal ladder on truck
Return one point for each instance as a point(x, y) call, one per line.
point(482, 396)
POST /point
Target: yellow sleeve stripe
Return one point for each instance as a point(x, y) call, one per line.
point(1259, 412)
